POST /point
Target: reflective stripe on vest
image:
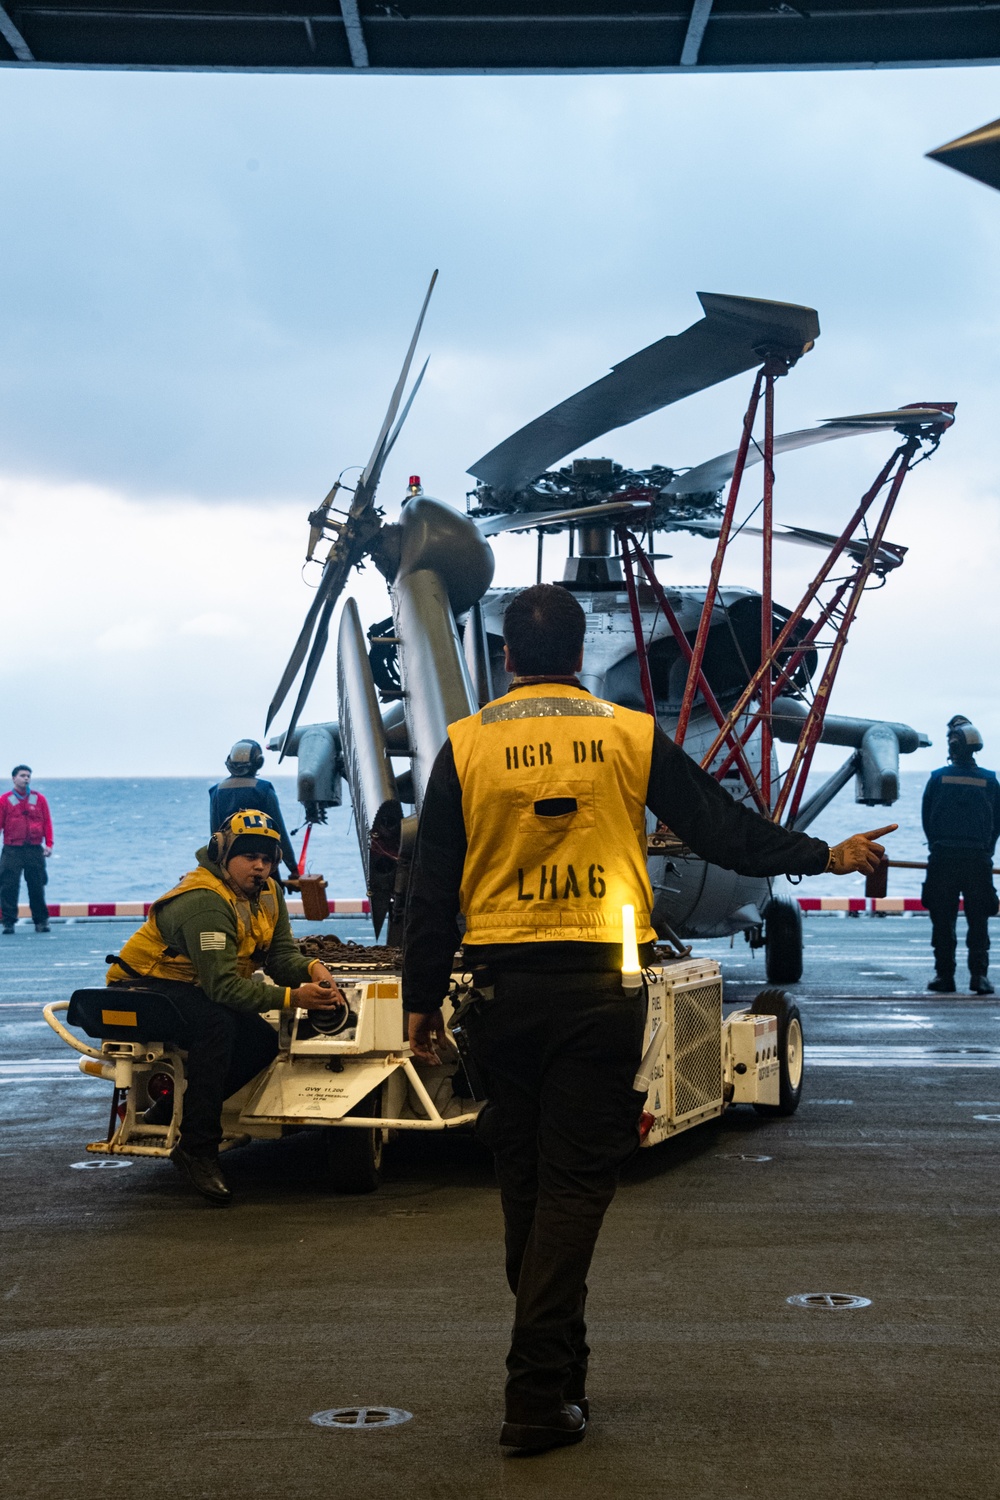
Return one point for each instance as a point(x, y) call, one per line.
point(554, 802)
point(147, 954)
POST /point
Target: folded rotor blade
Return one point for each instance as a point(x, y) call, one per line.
point(349, 549)
point(356, 536)
point(726, 341)
point(715, 472)
point(312, 666)
point(360, 530)
point(890, 553)
point(296, 659)
point(580, 515)
point(374, 468)
point(390, 443)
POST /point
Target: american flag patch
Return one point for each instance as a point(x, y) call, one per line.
point(213, 941)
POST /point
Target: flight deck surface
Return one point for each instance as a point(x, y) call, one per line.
point(152, 1342)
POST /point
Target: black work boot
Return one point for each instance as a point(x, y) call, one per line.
point(547, 1430)
point(203, 1173)
point(943, 984)
point(8, 929)
point(980, 985)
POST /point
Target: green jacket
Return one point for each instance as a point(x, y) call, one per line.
point(186, 917)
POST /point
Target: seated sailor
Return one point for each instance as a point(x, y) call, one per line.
point(199, 945)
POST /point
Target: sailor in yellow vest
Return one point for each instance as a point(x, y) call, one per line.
point(533, 827)
point(199, 946)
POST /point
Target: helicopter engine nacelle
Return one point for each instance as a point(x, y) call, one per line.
point(445, 567)
point(319, 766)
point(877, 781)
point(437, 537)
point(877, 744)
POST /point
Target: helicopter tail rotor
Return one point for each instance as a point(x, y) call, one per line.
point(355, 537)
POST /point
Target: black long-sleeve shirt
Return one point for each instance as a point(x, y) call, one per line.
point(690, 802)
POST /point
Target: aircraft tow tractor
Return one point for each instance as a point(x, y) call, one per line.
point(361, 1085)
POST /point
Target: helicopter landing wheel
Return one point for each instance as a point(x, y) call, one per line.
point(790, 1049)
point(783, 940)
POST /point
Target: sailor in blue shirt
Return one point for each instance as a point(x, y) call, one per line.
point(961, 817)
point(245, 789)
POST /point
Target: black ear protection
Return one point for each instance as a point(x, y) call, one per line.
point(248, 764)
point(217, 844)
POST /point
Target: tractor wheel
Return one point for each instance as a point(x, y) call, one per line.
point(354, 1156)
point(783, 940)
point(790, 1049)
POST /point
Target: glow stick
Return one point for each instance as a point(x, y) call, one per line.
point(631, 972)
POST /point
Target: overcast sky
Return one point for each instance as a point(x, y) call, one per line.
point(209, 282)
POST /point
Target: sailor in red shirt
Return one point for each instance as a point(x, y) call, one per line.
point(26, 826)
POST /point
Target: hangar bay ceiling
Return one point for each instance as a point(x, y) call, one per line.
point(496, 36)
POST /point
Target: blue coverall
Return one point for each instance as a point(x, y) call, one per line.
point(961, 818)
point(238, 793)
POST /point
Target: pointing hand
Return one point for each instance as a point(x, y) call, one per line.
point(860, 854)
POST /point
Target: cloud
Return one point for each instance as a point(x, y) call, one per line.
point(177, 324)
point(215, 626)
point(115, 665)
point(193, 351)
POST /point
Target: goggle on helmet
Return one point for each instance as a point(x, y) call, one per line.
point(963, 734)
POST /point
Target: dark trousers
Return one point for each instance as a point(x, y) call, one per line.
point(29, 860)
point(968, 874)
point(559, 1053)
point(225, 1048)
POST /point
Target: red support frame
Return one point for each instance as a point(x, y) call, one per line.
point(766, 600)
point(783, 638)
point(899, 461)
point(785, 671)
point(782, 655)
point(697, 656)
point(631, 549)
point(624, 538)
point(798, 772)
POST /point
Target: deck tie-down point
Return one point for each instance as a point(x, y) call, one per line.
point(827, 1301)
point(361, 1418)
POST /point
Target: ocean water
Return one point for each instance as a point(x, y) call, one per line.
point(131, 839)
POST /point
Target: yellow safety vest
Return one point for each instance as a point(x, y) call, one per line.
point(554, 802)
point(148, 954)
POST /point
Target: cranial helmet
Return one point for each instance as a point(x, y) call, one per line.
point(245, 758)
point(964, 738)
point(247, 832)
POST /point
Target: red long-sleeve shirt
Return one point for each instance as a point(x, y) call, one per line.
point(25, 820)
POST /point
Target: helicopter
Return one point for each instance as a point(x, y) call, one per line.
point(726, 670)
